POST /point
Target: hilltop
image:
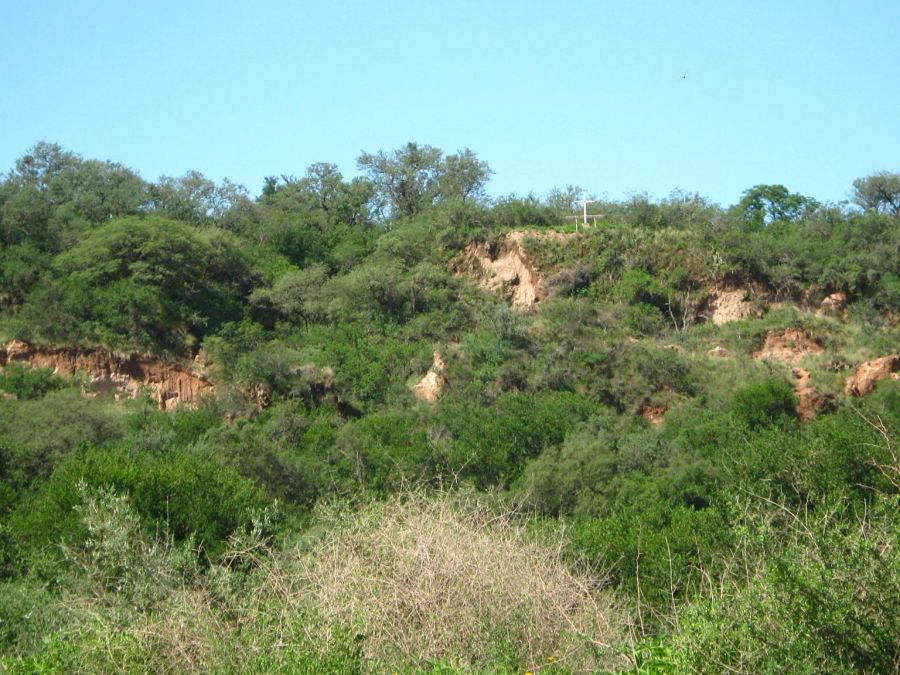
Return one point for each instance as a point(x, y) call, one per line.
point(317, 420)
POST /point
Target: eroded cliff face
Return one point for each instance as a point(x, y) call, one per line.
point(728, 304)
point(430, 386)
point(809, 400)
point(791, 345)
point(170, 384)
point(863, 381)
point(503, 267)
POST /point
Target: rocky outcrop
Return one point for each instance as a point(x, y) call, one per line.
point(789, 346)
point(863, 381)
point(833, 304)
point(429, 387)
point(654, 414)
point(503, 267)
point(170, 384)
point(809, 400)
point(729, 304)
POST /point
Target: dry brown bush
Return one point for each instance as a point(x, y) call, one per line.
point(453, 579)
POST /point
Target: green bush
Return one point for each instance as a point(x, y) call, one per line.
point(814, 592)
point(659, 552)
point(38, 434)
point(142, 284)
point(29, 383)
point(191, 493)
point(492, 444)
point(28, 613)
point(769, 404)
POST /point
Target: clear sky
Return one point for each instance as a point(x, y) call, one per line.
point(616, 97)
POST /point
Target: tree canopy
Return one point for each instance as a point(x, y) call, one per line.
point(879, 192)
point(411, 178)
point(763, 205)
point(140, 283)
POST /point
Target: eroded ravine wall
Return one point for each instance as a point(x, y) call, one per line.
point(169, 384)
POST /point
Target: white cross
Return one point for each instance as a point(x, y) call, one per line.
point(584, 201)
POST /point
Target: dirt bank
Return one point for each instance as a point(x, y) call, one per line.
point(863, 381)
point(503, 267)
point(170, 384)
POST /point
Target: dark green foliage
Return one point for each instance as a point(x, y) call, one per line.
point(836, 453)
point(295, 297)
point(21, 265)
point(194, 493)
point(318, 219)
point(28, 383)
point(763, 205)
point(53, 196)
point(607, 465)
point(578, 477)
point(852, 252)
point(37, 434)
point(195, 199)
point(820, 594)
point(659, 551)
point(27, 615)
point(491, 444)
point(369, 367)
point(879, 192)
point(522, 212)
point(140, 284)
point(286, 451)
point(768, 404)
point(415, 177)
point(384, 451)
point(154, 430)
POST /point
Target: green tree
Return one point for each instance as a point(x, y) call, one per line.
point(463, 177)
point(763, 205)
point(405, 181)
point(195, 199)
point(140, 283)
point(322, 188)
point(879, 192)
point(319, 218)
point(414, 177)
point(52, 196)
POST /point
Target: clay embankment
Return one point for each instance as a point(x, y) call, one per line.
point(170, 384)
point(792, 346)
point(789, 346)
point(863, 381)
point(809, 400)
point(429, 387)
point(504, 268)
point(833, 304)
point(654, 414)
point(727, 304)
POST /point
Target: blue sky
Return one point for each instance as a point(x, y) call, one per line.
point(617, 97)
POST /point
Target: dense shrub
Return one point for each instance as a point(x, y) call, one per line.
point(432, 584)
point(38, 434)
point(193, 494)
point(492, 444)
point(770, 403)
point(817, 593)
point(140, 283)
point(28, 383)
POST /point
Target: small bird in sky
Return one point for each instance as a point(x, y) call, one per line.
point(684, 77)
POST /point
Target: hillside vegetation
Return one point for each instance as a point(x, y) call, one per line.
point(390, 424)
